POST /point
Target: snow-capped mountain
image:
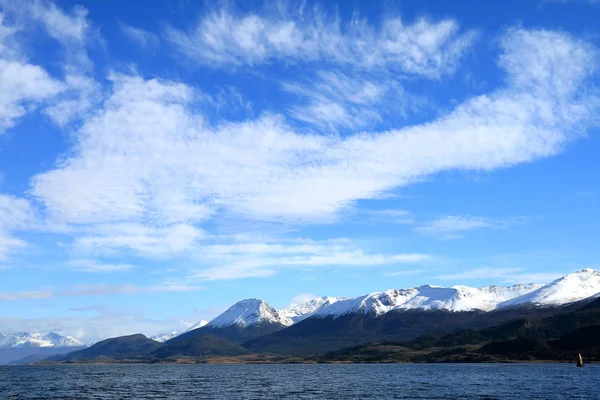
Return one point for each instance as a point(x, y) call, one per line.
point(302, 311)
point(250, 312)
point(163, 337)
point(570, 288)
point(456, 298)
point(35, 339)
point(197, 325)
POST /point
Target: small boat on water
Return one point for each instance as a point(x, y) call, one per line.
point(579, 360)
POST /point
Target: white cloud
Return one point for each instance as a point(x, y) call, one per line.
point(85, 265)
point(148, 158)
point(336, 99)
point(224, 38)
point(453, 226)
point(94, 290)
point(25, 87)
point(147, 41)
point(301, 299)
point(244, 260)
point(9, 244)
point(81, 94)
point(15, 214)
point(142, 240)
point(22, 86)
point(71, 29)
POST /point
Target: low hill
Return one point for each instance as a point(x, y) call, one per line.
point(32, 354)
point(119, 348)
point(203, 346)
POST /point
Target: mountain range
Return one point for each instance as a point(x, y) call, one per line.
point(328, 324)
point(26, 344)
point(36, 339)
point(568, 289)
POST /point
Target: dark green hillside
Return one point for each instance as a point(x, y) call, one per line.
point(199, 347)
point(321, 335)
point(119, 348)
point(235, 334)
point(559, 337)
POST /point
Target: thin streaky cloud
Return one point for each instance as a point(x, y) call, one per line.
point(94, 290)
point(92, 266)
point(145, 40)
point(226, 38)
point(454, 226)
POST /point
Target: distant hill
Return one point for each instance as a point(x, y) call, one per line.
point(120, 348)
point(11, 356)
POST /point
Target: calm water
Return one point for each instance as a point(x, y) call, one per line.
point(405, 381)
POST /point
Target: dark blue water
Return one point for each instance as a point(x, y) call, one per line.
point(390, 381)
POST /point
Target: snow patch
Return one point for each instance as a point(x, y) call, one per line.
point(36, 339)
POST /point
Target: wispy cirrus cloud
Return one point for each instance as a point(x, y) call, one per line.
point(145, 40)
point(94, 290)
point(22, 85)
point(334, 100)
point(227, 38)
point(93, 266)
point(141, 240)
point(15, 214)
point(454, 226)
point(245, 260)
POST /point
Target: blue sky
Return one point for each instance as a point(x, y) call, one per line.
point(159, 163)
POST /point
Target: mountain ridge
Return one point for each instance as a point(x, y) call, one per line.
point(36, 339)
point(567, 289)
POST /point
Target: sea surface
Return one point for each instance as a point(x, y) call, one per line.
point(321, 381)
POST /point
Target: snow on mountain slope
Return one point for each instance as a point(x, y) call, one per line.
point(35, 339)
point(304, 310)
point(250, 312)
point(198, 325)
point(570, 288)
point(163, 337)
point(427, 297)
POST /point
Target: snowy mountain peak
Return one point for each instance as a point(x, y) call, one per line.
point(302, 311)
point(199, 324)
point(570, 288)
point(35, 339)
point(250, 312)
point(163, 337)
